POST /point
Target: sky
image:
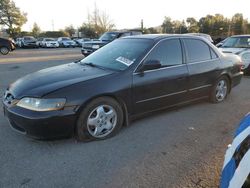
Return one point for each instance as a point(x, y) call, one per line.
point(57, 14)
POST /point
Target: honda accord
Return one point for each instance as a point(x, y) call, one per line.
point(94, 97)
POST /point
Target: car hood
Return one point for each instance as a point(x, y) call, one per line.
point(40, 83)
point(233, 50)
point(51, 41)
point(101, 42)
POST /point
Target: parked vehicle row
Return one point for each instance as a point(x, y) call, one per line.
point(31, 42)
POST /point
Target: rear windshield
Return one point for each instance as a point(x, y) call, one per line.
point(237, 42)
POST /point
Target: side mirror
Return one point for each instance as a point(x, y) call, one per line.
point(150, 65)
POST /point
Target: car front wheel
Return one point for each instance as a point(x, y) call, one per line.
point(100, 119)
point(220, 90)
point(4, 50)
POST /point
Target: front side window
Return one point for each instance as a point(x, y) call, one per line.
point(197, 50)
point(168, 53)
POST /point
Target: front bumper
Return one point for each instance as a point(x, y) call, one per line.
point(236, 79)
point(30, 45)
point(69, 45)
point(41, 125)
point(50, 45)
point(87, 51)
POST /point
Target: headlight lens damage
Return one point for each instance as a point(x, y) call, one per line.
point(37, 104)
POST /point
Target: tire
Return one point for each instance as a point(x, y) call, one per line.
point(100, 119)
point(220, 90)
point(4, 50)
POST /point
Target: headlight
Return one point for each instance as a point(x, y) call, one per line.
point(36, 104)
point(95, 46)
point(245, 56)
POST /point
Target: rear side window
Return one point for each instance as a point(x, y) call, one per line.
point(197, 50)
point(168, 52)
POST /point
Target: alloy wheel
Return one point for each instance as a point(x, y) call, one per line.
point(4, 50)
point(221, 90)
point(101, 121)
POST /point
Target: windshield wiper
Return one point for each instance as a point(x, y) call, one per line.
point(98, 66)
point(90, 64)
point(77, 61)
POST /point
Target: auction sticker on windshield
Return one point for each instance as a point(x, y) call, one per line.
point(124, 61)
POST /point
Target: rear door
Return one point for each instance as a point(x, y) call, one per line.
point(203, 65)
point(165, 86)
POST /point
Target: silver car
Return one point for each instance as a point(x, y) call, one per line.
point(239, 45)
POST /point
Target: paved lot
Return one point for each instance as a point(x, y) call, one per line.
point(182, 147)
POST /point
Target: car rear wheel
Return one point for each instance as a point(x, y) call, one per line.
point(220, 90)
point(4, 50)
point(100, 119)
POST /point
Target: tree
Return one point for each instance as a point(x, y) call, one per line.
point(179, 27)
point(150, 30)
point(70, 30)
point(54, 34)
point(100, 21)
point(11, 17)
point(167, 25)
point(88, 31)
point(193, 26)
point(36, 30)
point(237, 24)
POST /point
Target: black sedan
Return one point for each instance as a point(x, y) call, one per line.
point(93, 98)
point(6, 46)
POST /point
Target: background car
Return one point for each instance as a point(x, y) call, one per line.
point(18, 42)
point(93, 98)
point(28, 42)
point(49, 43)
point(81, 41)
point(239, 45)
point(66, 42)
point(6, 46)
point(39, 42)
point(90, 47)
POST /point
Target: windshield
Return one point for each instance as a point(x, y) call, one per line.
point(109, 36)
point(49, 39)
point(237, 42)
point(28, 38)
point(66, 38)
point(120, 54)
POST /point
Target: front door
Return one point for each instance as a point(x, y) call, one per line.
point(165, 86)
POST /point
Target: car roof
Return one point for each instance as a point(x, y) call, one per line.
point(123, 31)
point(158, 37)
point(240, 36)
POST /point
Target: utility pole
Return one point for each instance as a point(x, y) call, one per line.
point(229, 30)
point(142, 25)
point(53, 26)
